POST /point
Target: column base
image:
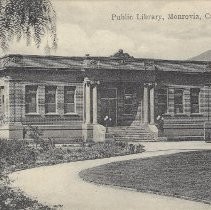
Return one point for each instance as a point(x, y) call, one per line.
point(11, 131)
point(93, 132)
point(99, 133)
point(87, 132)
point(154, 131)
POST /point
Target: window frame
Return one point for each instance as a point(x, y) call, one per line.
point(130, 105)
point(75, 102)
point(56, 110)
point(178, 113)
point(195, 103)
point(26, 103)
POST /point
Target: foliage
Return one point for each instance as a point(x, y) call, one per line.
point(20, 154)
point(36, 134)
point(28, 19)
point(85, 152)
point(11, 199)
point(15, 155)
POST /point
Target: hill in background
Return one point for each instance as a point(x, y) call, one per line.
point(205, 56)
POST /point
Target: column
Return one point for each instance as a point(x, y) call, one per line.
point(95, 103)
point(146, 105)
point(152, 105)
point(88, 100)
point(8, 98)
point(14, 128)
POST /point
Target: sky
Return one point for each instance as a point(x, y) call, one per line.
point(86, 27)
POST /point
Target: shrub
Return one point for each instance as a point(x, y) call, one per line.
point(139, 148)
point(132, 148)
point(14, 152)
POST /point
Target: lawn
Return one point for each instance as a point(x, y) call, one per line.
point(18, 155)
point(186, 175)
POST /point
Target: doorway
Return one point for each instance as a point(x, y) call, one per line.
point(109, 106)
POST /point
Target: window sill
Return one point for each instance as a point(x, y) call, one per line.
point(180, 114)
point(196, 114)
point(32, 114)
point(52, 114)
point(167, 114)
point(71, 114)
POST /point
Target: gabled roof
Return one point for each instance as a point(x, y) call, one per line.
point(120, 60)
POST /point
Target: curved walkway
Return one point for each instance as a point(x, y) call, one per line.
point(60, 184)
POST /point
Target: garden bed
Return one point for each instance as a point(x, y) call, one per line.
point(19, 155)
point(184, 175)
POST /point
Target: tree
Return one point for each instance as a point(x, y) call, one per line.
point(35, 134)
point(32, 20)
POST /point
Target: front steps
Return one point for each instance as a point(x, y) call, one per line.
point(134, 133)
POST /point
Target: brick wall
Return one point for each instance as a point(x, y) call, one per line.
point(187, 125)
point(58, 125)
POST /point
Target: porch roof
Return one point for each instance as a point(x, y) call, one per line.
point(104, 63)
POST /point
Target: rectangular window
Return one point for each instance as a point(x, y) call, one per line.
point(129, 101)
point(31, 99)
point(69, 99)
point(162, 101)
point(50, 99)
point(194, 100)
point(178, 101)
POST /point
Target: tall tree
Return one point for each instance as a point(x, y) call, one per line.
point(32, 20)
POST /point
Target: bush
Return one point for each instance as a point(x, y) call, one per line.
point(13, 152)
point(10, 199)
point(139, 148)
point(20, 155)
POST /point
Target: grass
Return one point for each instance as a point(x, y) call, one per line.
point(18, 155)
point(185, 175)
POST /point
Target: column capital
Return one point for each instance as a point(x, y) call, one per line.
point(87, 81)
point(94, 82)
point(150, 84)
point(146, 84)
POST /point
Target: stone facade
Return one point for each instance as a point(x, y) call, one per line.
point(132, 92)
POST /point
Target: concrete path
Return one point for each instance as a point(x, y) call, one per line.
point(60, 184)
